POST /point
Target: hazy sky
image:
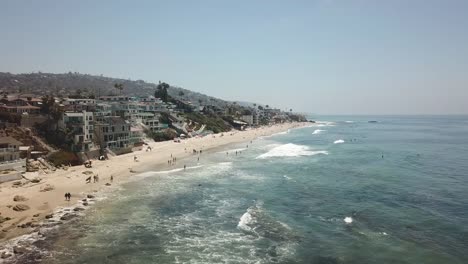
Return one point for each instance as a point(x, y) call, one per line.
point(320, 56)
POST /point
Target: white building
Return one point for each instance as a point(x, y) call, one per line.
point(80, 125)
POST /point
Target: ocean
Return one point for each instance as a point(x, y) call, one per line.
point(342, 191)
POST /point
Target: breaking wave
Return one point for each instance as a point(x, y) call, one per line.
point(291, 150)
point(325, 123)
point(317, 131)
point(339, 141)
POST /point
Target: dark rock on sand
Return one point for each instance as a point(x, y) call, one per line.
point(20, 207)
point(36, 215)
point(19, 198)
point(36, 180)
point(85, 203)
point(49, 216)
point(76, 209)
point(108, 184)
point(90, 196)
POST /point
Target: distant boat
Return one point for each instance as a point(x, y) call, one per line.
point(372, 121)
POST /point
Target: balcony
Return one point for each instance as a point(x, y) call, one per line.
point(2, 150)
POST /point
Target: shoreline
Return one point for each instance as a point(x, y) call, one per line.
point(122, 168)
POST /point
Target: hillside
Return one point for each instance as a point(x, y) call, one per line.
point(87, 85)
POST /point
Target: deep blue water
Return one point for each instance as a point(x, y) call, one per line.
point(401, 183)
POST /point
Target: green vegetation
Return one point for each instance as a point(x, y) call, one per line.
point(212, 122)
point(167, 134)
point(120, 87)
point(64, 158)
point(161, 92)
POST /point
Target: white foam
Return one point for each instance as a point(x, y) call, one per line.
point(317, 131)
point(325, 123)
point(348, 220)
point(281, 133)
point(349, 121)
point(246, 220)
point(152, 173)
point(339, 141)
point(291, 150)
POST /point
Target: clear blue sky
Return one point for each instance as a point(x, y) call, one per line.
point(320, 56)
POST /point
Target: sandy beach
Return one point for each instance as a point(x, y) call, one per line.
point(40, 203)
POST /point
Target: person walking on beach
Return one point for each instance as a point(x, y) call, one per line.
point(185, 166)
point(69, 196)
point(66, 196)
point(112, 178)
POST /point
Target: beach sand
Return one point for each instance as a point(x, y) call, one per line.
point(42, 203)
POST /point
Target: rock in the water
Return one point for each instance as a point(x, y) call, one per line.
point(76, 209)
point(19, 198)
point(85, 203)
point(20, 207)
point(84, 200)
point(49, 216)
point(108, 184)
point(68, 216)
point(5, 255)
point(90, 196)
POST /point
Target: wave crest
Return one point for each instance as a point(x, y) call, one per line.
point(317, 131)
point(291, 150)
point(339, 141)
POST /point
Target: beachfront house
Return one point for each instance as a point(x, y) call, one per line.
point(79, 129)
point(11, 165)
point(249, 119)
point(113, 133)
point(9, 149)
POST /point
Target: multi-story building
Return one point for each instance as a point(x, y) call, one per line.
point(79, 127)
point(113, 132)
point(9, 149)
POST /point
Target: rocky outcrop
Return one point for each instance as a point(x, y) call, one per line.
point(18, 250)
point(5, 255)
point(67, 216)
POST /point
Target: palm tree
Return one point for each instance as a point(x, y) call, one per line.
point(119, 86)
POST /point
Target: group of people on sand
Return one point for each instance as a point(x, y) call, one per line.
point(67, 196)
point(95, 178)
point(172, 161)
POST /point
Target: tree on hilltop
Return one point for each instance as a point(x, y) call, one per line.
point(119, 86)
point(161, 92)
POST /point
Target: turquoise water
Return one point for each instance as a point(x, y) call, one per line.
point(401, 185)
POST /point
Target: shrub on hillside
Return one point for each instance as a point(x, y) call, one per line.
point(64, 158)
